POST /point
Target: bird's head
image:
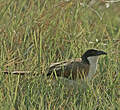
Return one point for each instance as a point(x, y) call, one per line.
point(91, 55)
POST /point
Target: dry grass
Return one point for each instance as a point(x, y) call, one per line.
point(34, 34)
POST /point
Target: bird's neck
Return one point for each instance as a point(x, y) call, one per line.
point(93, 66)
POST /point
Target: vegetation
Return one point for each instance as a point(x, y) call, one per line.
point(35, 33)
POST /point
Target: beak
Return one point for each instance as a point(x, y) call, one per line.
point(101, 53)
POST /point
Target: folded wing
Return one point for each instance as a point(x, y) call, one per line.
point(73, 68)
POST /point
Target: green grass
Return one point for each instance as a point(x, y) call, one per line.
point(35, 33)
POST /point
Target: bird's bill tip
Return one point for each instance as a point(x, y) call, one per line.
point(102, 53)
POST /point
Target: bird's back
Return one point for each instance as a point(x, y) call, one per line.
point(73, 68)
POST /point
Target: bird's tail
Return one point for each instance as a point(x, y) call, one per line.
point(20, 72)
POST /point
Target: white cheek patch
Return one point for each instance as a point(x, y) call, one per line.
point(93, 65)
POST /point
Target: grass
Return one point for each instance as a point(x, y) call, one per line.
point(34, 34)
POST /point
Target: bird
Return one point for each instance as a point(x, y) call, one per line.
point(77, 68)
